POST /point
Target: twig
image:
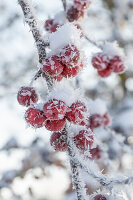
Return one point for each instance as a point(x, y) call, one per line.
point(77, 181)
point(64, 4)
point(92, 42)
point(103, 179)
point(40, 43)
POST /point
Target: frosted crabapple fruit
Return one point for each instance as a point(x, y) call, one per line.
point(116, 64)
point(105, 73)
point(50, 25)
point(58, 78)
point(76, 112)
point(26, 96)
point(55, 125)
point(100, 61)
point(96, 121)
point(70, 71)
point(58, 142)
point(84, 139)
point(70, 55)
point(95, 153)
point(52, 66)
point(81, 5)
point(55, 109)
point(35, 117)
point(99, 197)
point(106, 119)
point(74, 14)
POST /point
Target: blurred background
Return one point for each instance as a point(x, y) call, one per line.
point(29, 167)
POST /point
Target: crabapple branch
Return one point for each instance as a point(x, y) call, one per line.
point(77, 181)
point(101, 178)
point(40, 43)
point(31, 21)
point(64, 4)
point(92, 41)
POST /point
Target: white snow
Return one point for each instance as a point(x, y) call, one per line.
point(112, 49)
point(97, 106)
point(66, 34)
point(64, 92)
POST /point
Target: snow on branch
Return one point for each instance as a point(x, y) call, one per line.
point(64, 4)
point(30, 19)
point(92, 169)
point(32, 22)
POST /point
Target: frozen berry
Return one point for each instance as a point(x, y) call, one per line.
point(105, 73)
point(50, 26)
point(55, 125)
point(27, 96)
point(116, 64)
point(96, 121)
point(76, 113)
point(70, 55)
point(100, 61)
point(35, 117)
point(55, 109)
point(95, 153)
point(52, 66)
point(81, 5)
point(74, 14)
point(70, 71)
point(58, 142)
point(99, 197)
point(84, 139)
point(58, 78)
point(106, 119)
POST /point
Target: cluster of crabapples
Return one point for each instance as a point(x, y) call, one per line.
point(106, 64)
point(67, 63)
point(53, 116)
point(74, 13)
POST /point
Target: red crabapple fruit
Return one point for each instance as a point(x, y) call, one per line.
point(27, 96)
point(35, 117)
point(100, 61)
point(55, 109)
point(58, 78)
point(84, 139)
point(81, 5)
point(58, 142)
point(99, 197)
point(106, 119)
point(116, 64)
point(50, 26)
point(70, 71)
point(96, 121)
point(55, 125)
point(70, 55)
point(105, 73)
point(52, 66)
point(95, 153)
point(76, 112)
point(74, 14)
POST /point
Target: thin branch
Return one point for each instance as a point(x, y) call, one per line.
point(92, 41)
point(64, 4)
point(77, 180)
point(101, 178)
point(28, 12)
point(31, 21)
